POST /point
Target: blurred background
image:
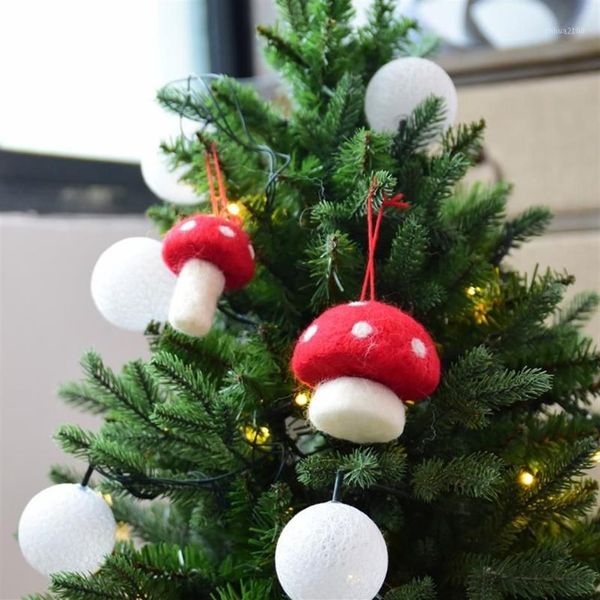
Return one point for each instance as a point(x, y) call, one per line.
point(77, 115)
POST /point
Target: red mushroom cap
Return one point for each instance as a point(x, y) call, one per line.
point(371, 340)
point(215, 240)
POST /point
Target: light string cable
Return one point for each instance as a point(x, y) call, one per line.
point(203, 114)
point(338, 484)
point(131, 482)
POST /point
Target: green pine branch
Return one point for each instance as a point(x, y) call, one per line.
point(546, 572)
point(363, 468)
point(417, 589)
point(477, 475)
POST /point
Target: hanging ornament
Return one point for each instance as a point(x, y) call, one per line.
point(400, 86)
point(209, 254)
point(67, 527)
point(131, 285)
point(166, 182)
point(365, 359)
point(331, 550)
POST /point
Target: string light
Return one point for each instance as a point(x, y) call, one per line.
point(107, 498)
point(257, 435)
point(409, 402)
point(123, 532)
point(480, 313)
point(484, 298)
point(234, 209)
point(301, 399)
point(526, 479)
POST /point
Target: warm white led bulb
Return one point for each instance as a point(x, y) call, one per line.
point(131, 285)
point(331, 550)
point(400, 86)
point(66, 527)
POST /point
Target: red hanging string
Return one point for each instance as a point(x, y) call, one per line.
point(366, 279)
point(373, 236)
point(211, 161)
point(211, 185)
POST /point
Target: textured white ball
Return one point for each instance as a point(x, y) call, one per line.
point(331, 551)
point(131, 285)
point(166, 182)
point(400, 86)
point(66, 527)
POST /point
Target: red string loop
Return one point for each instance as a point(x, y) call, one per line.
point(368, 285)
point(218, 193)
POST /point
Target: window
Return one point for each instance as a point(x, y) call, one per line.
point(78, 110)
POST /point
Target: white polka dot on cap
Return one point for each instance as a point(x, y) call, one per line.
point(418, 347)
point(227, 231)
point(362, 329)
point(310, 332)
point(188, 225)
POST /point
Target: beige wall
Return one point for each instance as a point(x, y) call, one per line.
point(544, 133)
point(47, 320)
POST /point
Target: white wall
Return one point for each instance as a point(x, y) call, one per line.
point(79, 76)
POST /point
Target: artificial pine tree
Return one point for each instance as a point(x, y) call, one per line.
point(485, 495)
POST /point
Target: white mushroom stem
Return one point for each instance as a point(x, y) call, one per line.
point(358, 410)
point(194, 301)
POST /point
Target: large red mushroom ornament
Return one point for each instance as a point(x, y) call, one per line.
point(365, 359)
point(209, 254)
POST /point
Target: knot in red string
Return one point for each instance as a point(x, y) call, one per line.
point(373, 235)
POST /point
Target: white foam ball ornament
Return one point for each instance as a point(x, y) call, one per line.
point(331, 551)
point(131, 284)
point(167, 183)
point(66, 527)
point(400, 86)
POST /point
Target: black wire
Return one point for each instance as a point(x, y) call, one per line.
point(282, 462)
point(87, 476)
point(142, 479)
point(131, 482)
point(224, 126)
point(227, 311)
point(337, 486)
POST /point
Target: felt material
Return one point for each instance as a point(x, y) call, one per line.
point(131, 285)
point(66, 527)
point(372, 340)
point(213, 239)
point(358, 410)
point(331, 551)
point(400, 85)
point(194, 301)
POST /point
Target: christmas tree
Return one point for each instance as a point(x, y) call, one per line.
point(206, 454)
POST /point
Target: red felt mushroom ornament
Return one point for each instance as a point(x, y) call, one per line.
point(210, 254)
point(365, 359)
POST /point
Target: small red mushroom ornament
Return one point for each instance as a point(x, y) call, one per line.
point(209, 254)
point(364, 359)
